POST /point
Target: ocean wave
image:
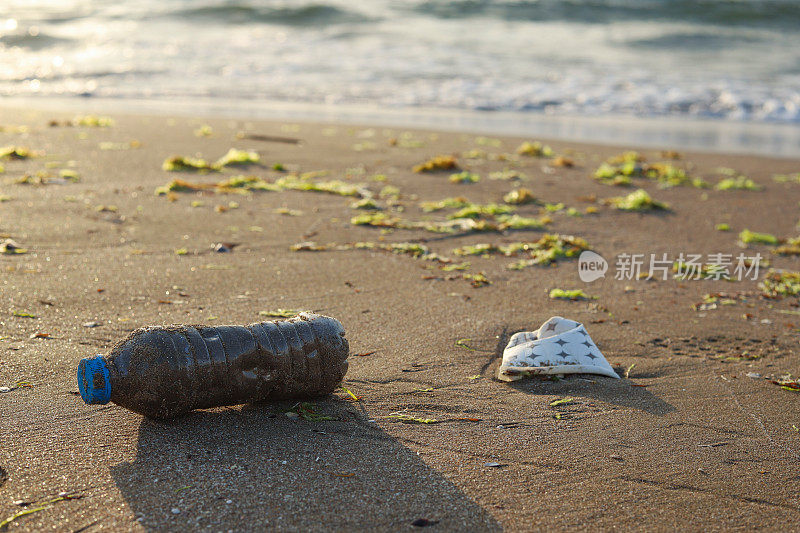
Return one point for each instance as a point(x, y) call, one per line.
point(31, 41)
point(302, 15)
point(771, 13)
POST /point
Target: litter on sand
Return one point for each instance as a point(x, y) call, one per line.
point(560, 346)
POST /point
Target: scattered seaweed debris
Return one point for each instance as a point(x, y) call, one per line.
point(238, 157)
point(448, 203)
point(243, 184)
point(569, 294)
point(477, 280)
point(481, 210)
point(92, 121)
point(790, 247)
point(376, 219)
point(437, 164)
point(464, 177)
point(712, 301)
point(546, 250)
point(204, 131)
point(787, 178)
point(752, 237)
point(280, 313)
point(638, 200)
point(507, 175)
point(741, 183)
point(41, 506)
point(406, 418)
point(549, 249)
point(562, 162)
point(787, 383)
point(308, 411)
point(15, 152)
point(415, 250)
point(534, 149)
point(303, 182)
point(234, 157)
point(722, 226)
point(178, 163)
point(619, 170)
point(778, 284)
point(521, 196)
point(367, 204)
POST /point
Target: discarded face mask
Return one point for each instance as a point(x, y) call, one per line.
point(560, 346)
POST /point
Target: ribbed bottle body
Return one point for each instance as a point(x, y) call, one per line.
point(167, 371)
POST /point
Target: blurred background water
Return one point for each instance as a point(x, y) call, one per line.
point(729, 59)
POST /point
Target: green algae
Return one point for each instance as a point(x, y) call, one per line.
point(740, 183)
point(464, 177)
point(521, 196)
point(437, 164)
point(534, 149)
point(638, 200)
point(748, 237)
point(569, 294)
point(778, 284)
point(448, 203)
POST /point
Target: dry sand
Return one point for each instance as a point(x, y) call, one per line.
point(687, 442)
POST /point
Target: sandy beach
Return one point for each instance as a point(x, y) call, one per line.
point(695, 436)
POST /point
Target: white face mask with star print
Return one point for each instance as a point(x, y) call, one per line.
point(560, 346)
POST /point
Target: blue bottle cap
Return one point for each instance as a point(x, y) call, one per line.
point(93, 380)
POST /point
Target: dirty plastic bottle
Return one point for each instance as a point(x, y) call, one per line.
point(167, 371)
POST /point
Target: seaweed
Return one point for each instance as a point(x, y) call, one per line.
point(464, 177)
point(787, 178)
point(235, 156)
point(408, 419)
point(375, 218)
point(748, 237)
point(477, 280)
point(722, 227)
point(638, 200)
point(563, 162)
point(521, 196)
point(737, 183)
point(15, 152)
point(791, 247)
point(534, 149)
point(437, 164)
point(308, 411)
point(619, 170)
point(342, 188)
point(549, 249)
point(447, 203)
point(517, 222)
point(178, 163)
point(479, 211)
point(569, 294)
point(366, 204)
point(92, 121)
point(204, 131)
point(546, 250)
point(777, 284)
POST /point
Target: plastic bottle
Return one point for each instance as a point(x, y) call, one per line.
point(167, 371)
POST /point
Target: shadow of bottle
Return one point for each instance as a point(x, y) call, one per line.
point(255, 469)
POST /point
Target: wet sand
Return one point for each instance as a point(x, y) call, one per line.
point(686, 441)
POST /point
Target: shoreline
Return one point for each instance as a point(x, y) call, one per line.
point(777, 140)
